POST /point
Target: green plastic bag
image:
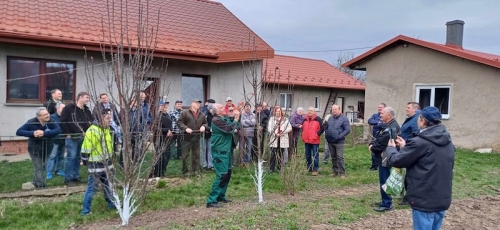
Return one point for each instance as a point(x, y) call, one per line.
point(394, 186)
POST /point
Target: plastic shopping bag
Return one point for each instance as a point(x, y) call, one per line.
point(394, 186)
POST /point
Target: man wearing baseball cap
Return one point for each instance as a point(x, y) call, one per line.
point(193, 122)
point(429, 160)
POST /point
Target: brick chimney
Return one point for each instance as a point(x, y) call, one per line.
point(455, 33)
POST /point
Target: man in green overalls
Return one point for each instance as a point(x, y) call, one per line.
point(222, 136)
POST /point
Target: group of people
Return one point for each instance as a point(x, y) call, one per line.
point(423, 147)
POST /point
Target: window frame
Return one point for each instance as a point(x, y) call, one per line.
point(317, 100)
point(42, 86)
point(205, 79)
point(419, 87)
point(291, 98)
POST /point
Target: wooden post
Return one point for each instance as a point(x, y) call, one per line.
point(353, 135)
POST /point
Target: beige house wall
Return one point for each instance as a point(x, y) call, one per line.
point(393, 75)
point(305, 97)
point(224, 80)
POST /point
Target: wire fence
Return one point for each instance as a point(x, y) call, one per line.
point(20, 165)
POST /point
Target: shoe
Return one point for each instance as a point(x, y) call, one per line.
point(382, 209)
point(271, 171)
point(60, 173)
point(315, 173)
point(214, 205)
point(85, 213)
point(334, 174)
point(225, 201)
point(325, 162)
point(373, 169)
point(70, 183)
point(342, 176)
point(404, 203)
point(377, 204)
point(79, 180)
point(49, 175)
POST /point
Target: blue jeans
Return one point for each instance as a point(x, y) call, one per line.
point(206, 158)
point(92, 187)
point(383, 175)
point(312, 152)
point(73, 158)
point(248, 142)
point(427, 220)
point(56, 158)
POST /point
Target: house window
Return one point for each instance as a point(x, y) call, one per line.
point(286, 100)
point(32, 80)
point(316, 103)
point(193, 87)
point(437, 96)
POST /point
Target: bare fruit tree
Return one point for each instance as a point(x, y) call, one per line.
point(345, 57)
point(129, 74)
point(264, 87)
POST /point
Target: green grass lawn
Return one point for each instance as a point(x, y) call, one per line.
point(474, 173)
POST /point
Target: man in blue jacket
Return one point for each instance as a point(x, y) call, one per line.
point(377, 126)
point(56, 156)
point(40, 131)
point(429, 159)
point(336, 129)
point(410, 126)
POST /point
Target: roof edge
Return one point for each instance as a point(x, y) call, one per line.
point(434, 46)
point(57, 42)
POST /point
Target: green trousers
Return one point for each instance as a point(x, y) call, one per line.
point(222, 165)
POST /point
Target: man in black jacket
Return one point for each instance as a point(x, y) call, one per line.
point(75, 119)
point(429, 159)
point(260, 129)
point(162, 140)
point(378, 147)
point(56, 99)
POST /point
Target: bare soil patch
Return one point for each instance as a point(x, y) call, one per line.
point(471, 213)
point(165, 218)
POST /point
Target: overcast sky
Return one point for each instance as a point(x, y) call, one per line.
point(335, 24)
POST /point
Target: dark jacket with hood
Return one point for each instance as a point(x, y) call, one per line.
point(379, 144)
point(74, 120)
point(429, 159)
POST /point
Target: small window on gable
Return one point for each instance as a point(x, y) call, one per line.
point(437, 96)
point(317, 101)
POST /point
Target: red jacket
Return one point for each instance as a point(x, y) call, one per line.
point(312, 128)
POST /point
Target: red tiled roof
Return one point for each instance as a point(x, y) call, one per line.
point(484, 58)
point(307, 72)
point(189, 29)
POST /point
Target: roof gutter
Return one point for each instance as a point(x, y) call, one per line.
point(59, 42)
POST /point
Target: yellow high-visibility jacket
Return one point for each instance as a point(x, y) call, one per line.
point(97, 148)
